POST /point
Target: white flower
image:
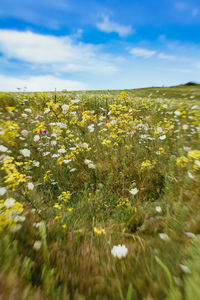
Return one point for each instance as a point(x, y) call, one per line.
point(197, 162)
point(37, 224)
point(185, 269)
point(46, 153)
point(67, 161)
point(190, 175)
point(159, 129)
point(36, 163)
point(55, 155)
point(119, 251)
point(36, 138)
point(177, 113)
point(91, 166)
point(65, 107)
point(26, 152)
point(186, 148)
point(3, 190)
point(37, 245)
point(190, 234)
point(20, 218)
point(75, 101)
point(16, 228)
point(61, 150)
point(53, 143)
point(158, 209)
point(140, 126)
point(164, 237)
point(84, 145)
point(134, 191)
point(46, 111)
point(3, 148)
point(185, 127)
point(91, 127)
point(87, 161)
point(73, 170)
point(24, 115)
point(28, 110)
point(162, 137)
point(9, 202)
point(30, 186)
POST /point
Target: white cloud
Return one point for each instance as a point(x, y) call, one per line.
point(195, 12)
point(35, 12)
point(142, 52)
point(197, 65)
point(185, 7)
point(181, 6)
point(61, 53)
point(109, 26)
point(39, 83)
point(166, 56)
point(179, 70)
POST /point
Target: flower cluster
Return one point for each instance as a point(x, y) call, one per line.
point(10, 214)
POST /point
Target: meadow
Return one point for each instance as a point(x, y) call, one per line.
point(99, 195)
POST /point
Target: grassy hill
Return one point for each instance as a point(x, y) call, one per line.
point(182, 92)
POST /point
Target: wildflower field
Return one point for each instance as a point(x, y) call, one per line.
point(99, 195)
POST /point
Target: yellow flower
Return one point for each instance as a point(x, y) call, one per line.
point(47, 176)
point(182, 161)
point(134, 209)
point(13, 177)
point(194, 154)
point(122, 202)
point(9, 130)
point(10, 108)
point(38, 127)
point(99, 231)
point(58, 206)
point(147, 164)
point(69, 208)
point(64, 196)
point(123, 95)
point(162, 150)
point(106, 142)
point(10, 210)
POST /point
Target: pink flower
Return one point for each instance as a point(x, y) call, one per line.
point(42, 131)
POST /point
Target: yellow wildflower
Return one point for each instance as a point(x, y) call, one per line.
point(194, 154)
point(182, 161)
point(99, 231)
point(147, 164)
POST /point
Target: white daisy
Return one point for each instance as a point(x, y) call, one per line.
point(119, 251)
point(26, 152)
point(134, 191)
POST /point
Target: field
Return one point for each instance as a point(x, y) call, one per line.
point(85, 172)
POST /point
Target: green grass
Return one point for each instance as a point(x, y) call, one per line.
point(56, 245)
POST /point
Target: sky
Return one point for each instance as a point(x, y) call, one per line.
point(98, 44)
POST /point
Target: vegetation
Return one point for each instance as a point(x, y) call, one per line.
point(85, 172)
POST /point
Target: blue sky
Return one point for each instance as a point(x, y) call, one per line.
point(110, 44)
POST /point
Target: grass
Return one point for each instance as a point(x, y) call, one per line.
point(87, 171)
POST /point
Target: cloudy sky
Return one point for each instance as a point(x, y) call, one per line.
point(98, 44)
